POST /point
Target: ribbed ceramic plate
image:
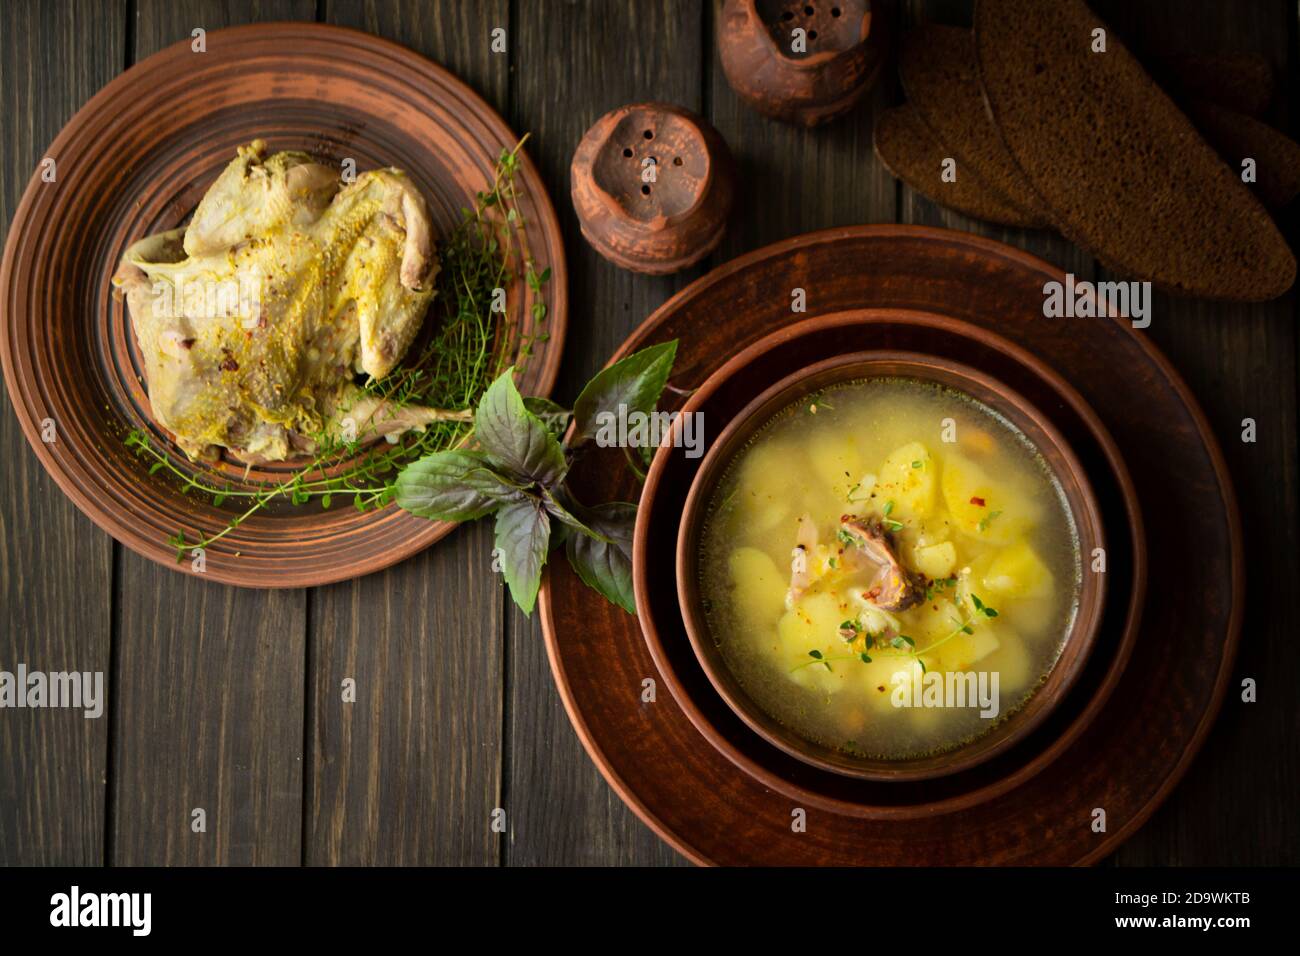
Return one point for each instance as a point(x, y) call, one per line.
point(663, 501)
point(134, 161)
point(1132, 753)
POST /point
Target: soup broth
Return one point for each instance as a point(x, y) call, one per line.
point(889, 568)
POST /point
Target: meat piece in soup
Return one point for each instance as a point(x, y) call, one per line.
point(893, 573)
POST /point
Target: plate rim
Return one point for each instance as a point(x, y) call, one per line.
point(410, 61)
point(873, 315)
point(982, 246)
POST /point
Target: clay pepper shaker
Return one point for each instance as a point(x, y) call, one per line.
point(802, 62)
point(652, 184)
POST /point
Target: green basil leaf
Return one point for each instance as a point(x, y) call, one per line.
point(514, 437)
point(632, 384)
point(568, 517)
point(453, 486)
point(607, 567)
point(553, 416)
point(523, 531)
point(560, 534)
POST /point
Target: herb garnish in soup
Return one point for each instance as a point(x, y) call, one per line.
point(874, 542)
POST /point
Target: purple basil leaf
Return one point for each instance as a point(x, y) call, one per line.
point(554, 417)
point(607, 567)
point(514, 438)
point(632, 384)
point(523, 531)
point(453, 486)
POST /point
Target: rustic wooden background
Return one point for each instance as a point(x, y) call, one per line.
point(227, 699)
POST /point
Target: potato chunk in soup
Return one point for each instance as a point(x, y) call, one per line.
point(858, 559)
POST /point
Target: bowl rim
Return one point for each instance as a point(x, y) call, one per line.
point(655, 629)
point(1047, 441)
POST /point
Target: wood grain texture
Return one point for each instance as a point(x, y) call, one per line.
point(55, 567)
point(211, 705)
point(457, 712)
point(410, 773)
point(209, 716)
point(1240, 361)
point(573, 63)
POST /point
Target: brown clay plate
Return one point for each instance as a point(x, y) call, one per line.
point(135, 160)
point(672, 474)
point(1134, 751)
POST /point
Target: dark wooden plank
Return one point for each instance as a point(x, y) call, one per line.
point(1240, 362)
point(1236, 804)
point(210, 681)
point(209, 716)
point(211, 678)
point(573, 63)
point(55, 566)
point(411, 772)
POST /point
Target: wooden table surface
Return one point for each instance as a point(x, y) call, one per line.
point(228, 700)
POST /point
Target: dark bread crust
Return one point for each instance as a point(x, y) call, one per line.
point(1236, 136)
point(909, 150)
point(937, 68)
point(1123, 171)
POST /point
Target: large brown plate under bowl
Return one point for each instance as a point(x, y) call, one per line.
point(988, 394)
point(135, 161)
point(722, 396)
point(1129, 756)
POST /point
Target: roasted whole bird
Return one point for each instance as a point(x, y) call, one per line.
point(256, 320)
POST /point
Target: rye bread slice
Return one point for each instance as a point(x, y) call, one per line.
point(1242, 82)
point(909, 150)
point(1122, 170)
point(937, 68)
point(1236, 136)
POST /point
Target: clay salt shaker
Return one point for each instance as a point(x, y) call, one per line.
point(652, 184)
point(802, 62)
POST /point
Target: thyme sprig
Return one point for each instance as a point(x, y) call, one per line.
point(851, 630)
